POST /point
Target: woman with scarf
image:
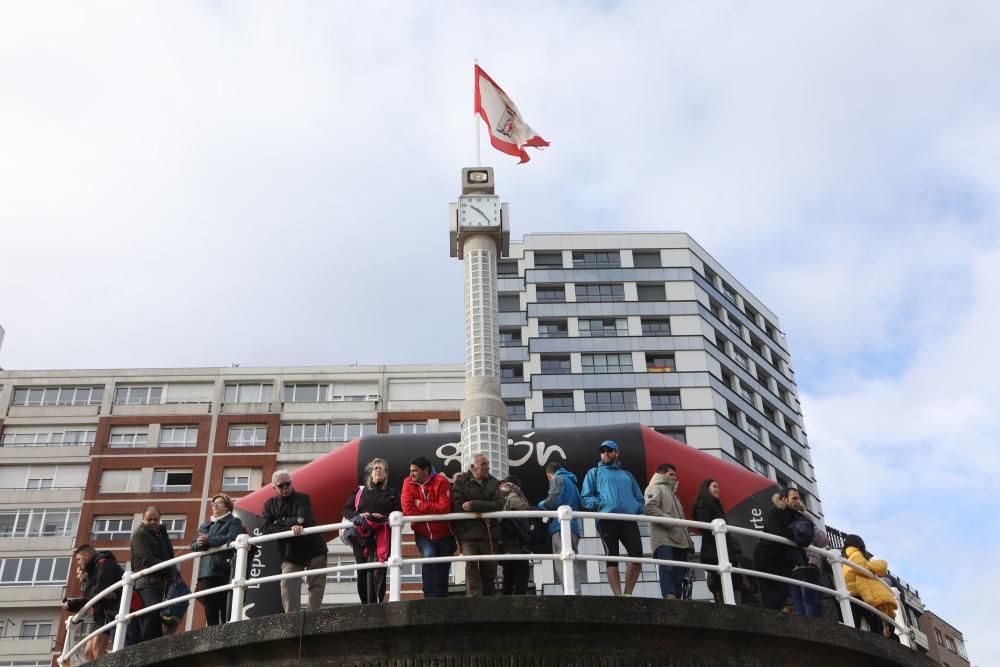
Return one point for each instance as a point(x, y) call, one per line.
point(513, 536)
point(372, 503)
point(221, 528)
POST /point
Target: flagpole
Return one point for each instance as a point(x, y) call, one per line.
point(475, 114)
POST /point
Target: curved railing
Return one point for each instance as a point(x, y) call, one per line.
point(716, 530)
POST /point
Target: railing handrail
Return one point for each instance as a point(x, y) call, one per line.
point(716, 529)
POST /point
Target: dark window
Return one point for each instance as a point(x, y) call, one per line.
point(555, 365)
point(600, 292)
point(557, 402)
point(646, 260)
point(651, 327)
point(728, 292)
point(553, 329)
point(550, 293)
point(515, 411)
point(509, 303)
point(548, 260)
point(607, 363)
point(511, 373)
point(659, 362)
point(655, 292)
point(507, 269)
point(605, 401)
point(596, 259)
point(603, 327)
point(741, 454)
point(510, 337)
point(675, 433)
point(665, 400)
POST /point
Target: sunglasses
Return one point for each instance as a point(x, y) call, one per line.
point(605, 450)
point(282, 485)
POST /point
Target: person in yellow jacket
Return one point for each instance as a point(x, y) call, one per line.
point(869, 589)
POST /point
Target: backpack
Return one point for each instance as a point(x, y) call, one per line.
point(802, 532)
point(539, 541)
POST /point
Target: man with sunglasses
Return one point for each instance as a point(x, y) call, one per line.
point(292, 510)
point(610, 488)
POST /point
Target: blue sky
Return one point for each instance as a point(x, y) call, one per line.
point(207, 183)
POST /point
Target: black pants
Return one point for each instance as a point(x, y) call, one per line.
point(773, 594)
point(371, 583)
point(214, 604)
point(150, 625)
point(515, 577)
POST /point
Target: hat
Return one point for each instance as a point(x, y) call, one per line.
point(511, 479)
point(610, 444)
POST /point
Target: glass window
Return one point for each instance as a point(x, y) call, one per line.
point(247, 435)
point(111, 528)
point(740, 359)
point(759, 466)
point(36, 629)
point(603, 401)
point(511, 372)
point(655, 327)
point(124, 437)
point(408, 427)
point(515, 411)
point(178, 436)
point(656, 292)
point(317, 432)
point(607, 363)
point(596, 259)
point(646, 259)
point(138, 395)
point(550, 293)
point(555, 365)
point(49, 522)
point(169, 481)
point(951, 644)
point(236, 479)
point(174, 525)
point(675, 433)
point(507, 269)
point(510, 337)
point(557, 402)
point(342, 432)
point(665, 400)
point(659, 362)
point(509, 303)
point(938, 636)
point(553, 329)
point(728, 292)
point(548, 260)
point(254, 392)
point(602, 327)
point(34, 396)
point(590, 292)
point(754, 430)
point(306, 393)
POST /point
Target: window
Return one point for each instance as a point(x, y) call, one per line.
point(138, 395)
point(733, 325)
point(111, 528)
point(656, 292)
point(961, 648)
point(236, 479)
point(507, 269)
point(548, 260)
point(675, 433)
point(754, 430)
point(307, 393)
point(408, 427)
point(655, 327)
point(171, 481)
point(510, 337)
point(344, 431)
point(665, 400)
point(646, 259)
point(728, 292)
point(590, 292)
point(511, 372)
point(38, 483)
point(603, 327)
point(305, 432)
point(590, 259)
point(253, 392)
point(36, 629)
point(49, 522)
point(950, 643)
point(119, 481)
point(607, 363)
point(741, 359)
point(759, 466)
point(515, 411)
point(746, 394)
point(603, 401)
point(14, 437)
point(509, 303)
point(126, 437)
point(178, 436)
point(34, 571)
point(174, 525)
point(938, 636)
point(34, 396)
point(550, 293)
point(557, 402)
point(741, 453)
point(553, 329)
point(555, 365)
point(659, 362)
point(247, 435)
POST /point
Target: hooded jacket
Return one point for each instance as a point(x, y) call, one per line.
point(485, 496)
point(869, 589)
point(102, 571)
point(661, 501)
point(563, 490)
point(777, 558)
point(434, 495)
point(611, 488)
point(222, 531)
point(280, 514)
point(150, 547)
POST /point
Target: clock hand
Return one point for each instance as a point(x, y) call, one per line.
point(486, 217)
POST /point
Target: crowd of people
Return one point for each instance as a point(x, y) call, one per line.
point(607, 488)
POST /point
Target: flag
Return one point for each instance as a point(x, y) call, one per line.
point(508, 131)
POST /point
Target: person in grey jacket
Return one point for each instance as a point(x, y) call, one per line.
point(150, 545)
point(667, 542)
point(214, 570)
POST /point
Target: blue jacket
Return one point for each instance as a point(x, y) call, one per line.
point(562, 491)
point(611, 488)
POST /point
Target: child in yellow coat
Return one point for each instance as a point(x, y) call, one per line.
point(869, 589)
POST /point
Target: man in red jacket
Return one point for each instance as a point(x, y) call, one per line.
point(428, 492)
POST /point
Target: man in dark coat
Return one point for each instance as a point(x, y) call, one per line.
point(100, 571)
point(292, 510)
point(478, 491)
point(150, 546)
point(777, 558)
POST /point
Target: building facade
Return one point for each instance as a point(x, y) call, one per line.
point(945, 642)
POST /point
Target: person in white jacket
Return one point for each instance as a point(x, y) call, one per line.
point(667, 542)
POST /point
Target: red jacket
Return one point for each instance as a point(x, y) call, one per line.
point(435, 497)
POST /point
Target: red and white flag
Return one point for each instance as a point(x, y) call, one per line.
point(508, 131)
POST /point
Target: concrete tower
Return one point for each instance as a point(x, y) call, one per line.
point(479, 236)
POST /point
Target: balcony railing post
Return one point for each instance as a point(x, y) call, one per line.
point(395, 555)
point(840, 584)
point(124, 607)
point(719, 529)
point(239, 578)
point(567, 556)
point(905, 633)
point(63, 658)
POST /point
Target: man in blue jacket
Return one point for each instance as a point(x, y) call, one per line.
point(612, 489)
point(563, 491)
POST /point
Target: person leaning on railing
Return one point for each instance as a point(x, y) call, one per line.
point(373, 502)
point(221, 528)
point(869, 589)
point(667, 542)
point(707, 508)
point(99, 570)
point(514, 533)
point(425, 492)
point(150, 545)
point(478, 491)
point(563, 490)
point(775, 558)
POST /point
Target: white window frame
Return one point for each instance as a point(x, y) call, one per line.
point(31, 522)
point(322, 392)
point(408, 427)
point(345, 431)
point(128, 437)
point(102, 527)
point(239, 388)
point(165, 486)
point(59, 396)
point(232, 479)
point(139, 395)
point(174, 524)
point(131, 484)
point(305, 432)
point(189, 439)
point(257, 435)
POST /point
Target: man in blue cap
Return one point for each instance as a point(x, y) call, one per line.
point(612, 489)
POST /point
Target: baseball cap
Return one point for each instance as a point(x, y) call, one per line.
point(610, 444)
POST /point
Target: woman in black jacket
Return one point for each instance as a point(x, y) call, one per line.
point(707, 508)
point(373, 501)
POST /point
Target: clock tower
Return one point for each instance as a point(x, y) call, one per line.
point(479, 236)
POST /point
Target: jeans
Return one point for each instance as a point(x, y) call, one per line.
point(671, 577)
point(806, 600)
point(150, 625)
point(435, 575)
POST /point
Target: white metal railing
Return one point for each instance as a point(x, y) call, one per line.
point(716, 530)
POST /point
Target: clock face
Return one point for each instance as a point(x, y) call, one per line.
point(479, 211)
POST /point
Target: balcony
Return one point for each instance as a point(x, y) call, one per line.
point(34, 497)
point(189, 406)
point(245, 408)
point(48, 453)
point(306, 451)
point(83, 410)
point(363, 409)
point(35, 595)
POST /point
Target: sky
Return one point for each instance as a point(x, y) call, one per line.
point(207, 183)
